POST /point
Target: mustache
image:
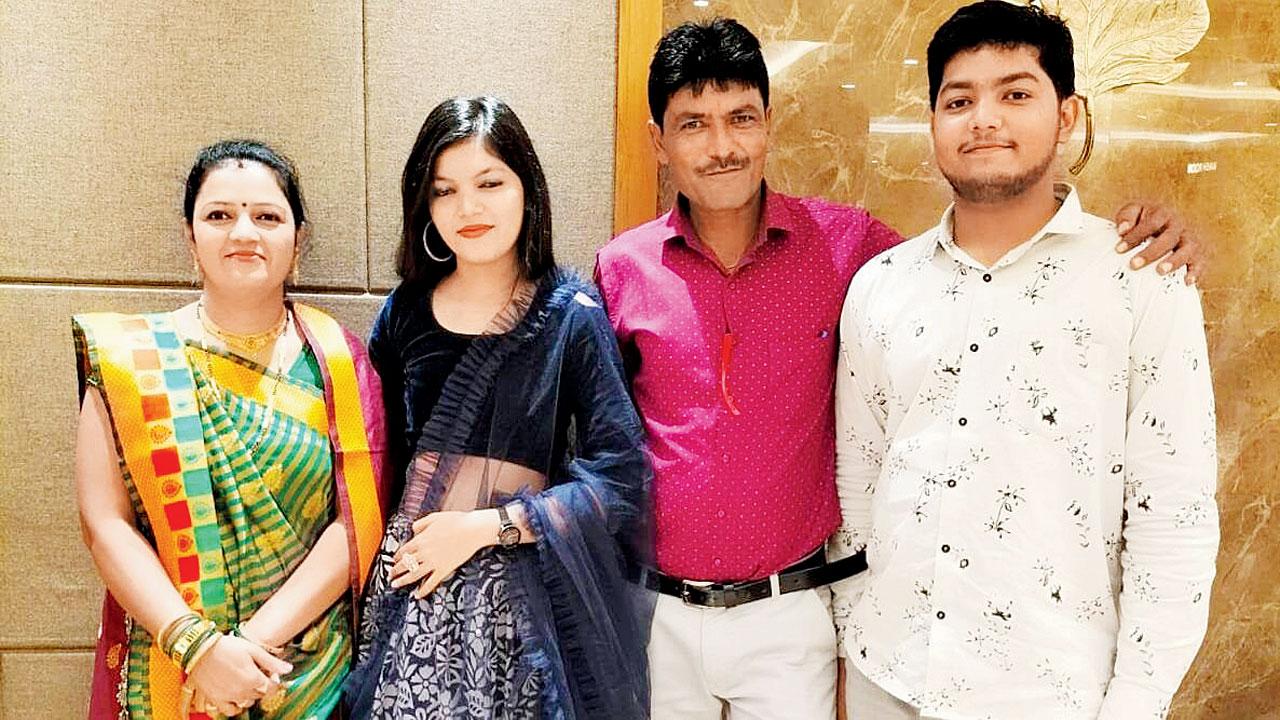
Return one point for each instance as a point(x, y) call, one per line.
point(986, 142)
point(728, 162)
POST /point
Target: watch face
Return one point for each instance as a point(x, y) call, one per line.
point(509, 536)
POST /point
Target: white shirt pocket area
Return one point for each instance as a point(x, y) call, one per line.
point(1062, 390)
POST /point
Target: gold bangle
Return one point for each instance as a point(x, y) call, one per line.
point(167, 633)
point(196, 644)
point(186, 626)
point(188, 638)
point(204, 648)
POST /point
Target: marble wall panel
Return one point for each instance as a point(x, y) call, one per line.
point(850, 103)
point(104, 110)
point(553, 62)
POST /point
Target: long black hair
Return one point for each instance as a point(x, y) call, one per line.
point(495, 123)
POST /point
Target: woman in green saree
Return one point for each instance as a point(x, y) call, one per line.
point(229, 471)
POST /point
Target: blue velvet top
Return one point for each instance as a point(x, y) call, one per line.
point(544, 388)
point(414, 355)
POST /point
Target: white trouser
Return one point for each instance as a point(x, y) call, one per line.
point(772, 659)
point(864, 700)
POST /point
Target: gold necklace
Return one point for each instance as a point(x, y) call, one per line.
point(271, 476)
point(251, 343)
point(269, 419)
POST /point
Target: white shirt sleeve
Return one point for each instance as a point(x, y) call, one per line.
point(1170, 534)
point(860, 400)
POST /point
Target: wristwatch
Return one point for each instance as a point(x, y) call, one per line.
point(508, 533)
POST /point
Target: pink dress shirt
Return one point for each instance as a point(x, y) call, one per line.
point(733, 374)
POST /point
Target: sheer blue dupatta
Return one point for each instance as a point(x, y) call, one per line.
point(590, 524)
point(565, 443)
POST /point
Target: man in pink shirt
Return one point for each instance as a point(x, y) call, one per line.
point(726, 311)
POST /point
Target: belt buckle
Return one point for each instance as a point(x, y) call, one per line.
point(710, 591)
point(685, 593)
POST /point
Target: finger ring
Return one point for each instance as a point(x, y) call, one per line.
point(410, 562)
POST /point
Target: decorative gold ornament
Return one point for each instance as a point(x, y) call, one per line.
point(114, 656)
point(273, 478)
point(1119, 43)
point(275, 700)
point(252, 343)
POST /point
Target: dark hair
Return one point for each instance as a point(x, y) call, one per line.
point(225, 151)
point(721, 52)
point(1004, 25)
point(451, 122)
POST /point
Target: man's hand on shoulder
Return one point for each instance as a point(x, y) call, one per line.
point(1171, 243)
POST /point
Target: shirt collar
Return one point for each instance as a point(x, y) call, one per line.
point(777, 220)
point(1068, 220)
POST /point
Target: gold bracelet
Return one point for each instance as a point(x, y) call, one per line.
point(184, 629)
point(167, 632)
point(209, 641)
point(189, 638)
point(198, 643)
point(278, 651)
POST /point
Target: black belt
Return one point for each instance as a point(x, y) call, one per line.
point(813, 571)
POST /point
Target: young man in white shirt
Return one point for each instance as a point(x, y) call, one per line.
point(1025, 426)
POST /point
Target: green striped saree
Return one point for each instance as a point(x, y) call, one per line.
point(234, 473)
point(271, 467)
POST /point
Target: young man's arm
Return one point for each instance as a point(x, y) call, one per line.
point(860, 397)
point(1170, 536)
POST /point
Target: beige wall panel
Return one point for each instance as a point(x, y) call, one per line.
point(552, 61)
point(43, 685)
point(103, 112)
point(49, 591)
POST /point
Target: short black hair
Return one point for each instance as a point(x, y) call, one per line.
point(495, 123)
point(226, 151)
point(720, 52)
point(1004, 25)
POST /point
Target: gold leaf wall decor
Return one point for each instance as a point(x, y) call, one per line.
point(1125, 42)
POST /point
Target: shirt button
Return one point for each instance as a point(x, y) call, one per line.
point(719, 513)
point(725, 458)
point(986, 277)
point(946, 548)
point(973, 347)
point(951, 483)
point(717, 562)
point(942, 615)
point(964, 421)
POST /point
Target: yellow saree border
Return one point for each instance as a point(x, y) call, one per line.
point(353, 394)
point(150, 393)
point(246, 379)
